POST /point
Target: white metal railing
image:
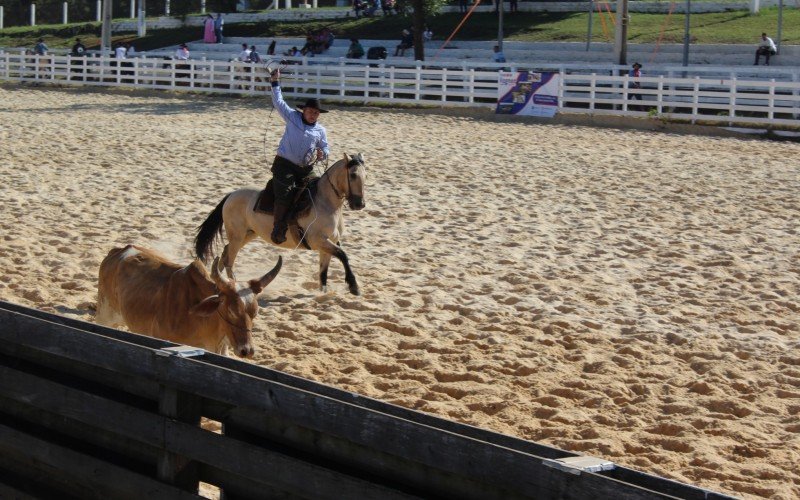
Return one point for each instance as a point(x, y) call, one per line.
point(711, 100)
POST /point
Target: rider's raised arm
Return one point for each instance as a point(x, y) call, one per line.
point(277, 101)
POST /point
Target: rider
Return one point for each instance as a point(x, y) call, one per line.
point(304, 141)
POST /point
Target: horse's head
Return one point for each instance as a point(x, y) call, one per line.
point(356, 171)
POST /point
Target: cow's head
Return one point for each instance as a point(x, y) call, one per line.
point(236, 306)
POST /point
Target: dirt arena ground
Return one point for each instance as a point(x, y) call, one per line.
point(630, 295)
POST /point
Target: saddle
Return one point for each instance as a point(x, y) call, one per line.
point(300, 206)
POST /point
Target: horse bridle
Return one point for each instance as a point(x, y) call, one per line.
point(351, 163)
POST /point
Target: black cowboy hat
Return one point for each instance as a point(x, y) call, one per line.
point(637, 65)
point(314, 104)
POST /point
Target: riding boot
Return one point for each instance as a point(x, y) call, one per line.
point(279, 225)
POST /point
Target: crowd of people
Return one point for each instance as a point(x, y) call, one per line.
point(212, 28)
point(317, 43)
point(370, 8)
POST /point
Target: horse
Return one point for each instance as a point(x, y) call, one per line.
point(319, 227)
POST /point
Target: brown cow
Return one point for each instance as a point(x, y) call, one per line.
point(151, 295)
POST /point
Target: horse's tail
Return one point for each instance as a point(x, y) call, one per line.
point(208, 231)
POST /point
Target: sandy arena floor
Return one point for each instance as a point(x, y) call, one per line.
point(624, 294)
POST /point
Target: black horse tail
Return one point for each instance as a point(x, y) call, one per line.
point(208, 231)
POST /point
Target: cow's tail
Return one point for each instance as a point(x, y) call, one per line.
point(208, 231)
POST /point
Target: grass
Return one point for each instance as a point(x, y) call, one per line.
point(726, 27)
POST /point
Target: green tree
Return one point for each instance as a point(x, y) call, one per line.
point(420, 11)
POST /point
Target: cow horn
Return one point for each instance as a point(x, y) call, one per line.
point(267, 278)
point(220, 280)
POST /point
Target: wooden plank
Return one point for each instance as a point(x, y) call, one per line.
point(254, 389)
point(414, 476)
point(263, 465)
point(47, 461)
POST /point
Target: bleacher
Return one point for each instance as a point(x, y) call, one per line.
point(516, 52)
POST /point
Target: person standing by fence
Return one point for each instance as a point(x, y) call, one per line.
point(634, 83)
point(218, 25)
point(304, 142)
point(765, 48)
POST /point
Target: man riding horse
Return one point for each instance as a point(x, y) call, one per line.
point(304, 141)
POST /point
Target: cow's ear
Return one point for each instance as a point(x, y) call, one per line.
point(207, 306)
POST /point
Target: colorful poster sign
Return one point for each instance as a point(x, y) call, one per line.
point(528, 93)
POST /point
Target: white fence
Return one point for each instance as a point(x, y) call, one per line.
point(706, 99)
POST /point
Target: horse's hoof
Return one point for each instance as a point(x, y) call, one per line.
point(354, 290)
point(323, 289)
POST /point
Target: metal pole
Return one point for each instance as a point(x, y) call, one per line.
point(202, 6)
point(141, 25)
point(33, 14)
point(105, 33)
point(686, 34)
point(621, 36)
point(99, 11)
point(500, 24)
point(133, 9)
point(780, 26)
point(64, 10)
point(1, 17)
point(589, 29)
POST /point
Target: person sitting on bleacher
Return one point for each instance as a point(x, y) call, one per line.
point(765, 48)
point(388, 6)
point(358, 6)
point(498, 55)
point(406, 42)
point(372, 8)
point(356, 50)
point(254, 56)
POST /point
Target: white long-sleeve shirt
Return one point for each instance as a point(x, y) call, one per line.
point(300, 141)
point(768, 43)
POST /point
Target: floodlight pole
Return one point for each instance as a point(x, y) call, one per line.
point(686, 34)
point(589, 29)
point(500, 24)
point(621, 35)
point(780, 26)
point(105, 33)
point(141, 25)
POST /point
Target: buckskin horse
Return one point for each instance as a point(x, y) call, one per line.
point(317, 221)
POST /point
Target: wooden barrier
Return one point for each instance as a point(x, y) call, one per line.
point(91, 412)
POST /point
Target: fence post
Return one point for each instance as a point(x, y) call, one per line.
point(660, 103)
point(443, 76)
point(183, 407)
point(592, 91)
point(391, 82)
point(417, 80)
point(732, 100)
point(471, 98)
point(341, 77)
point(695, 98)
point(771, 101)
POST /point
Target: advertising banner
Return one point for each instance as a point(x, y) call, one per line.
point(528, 93)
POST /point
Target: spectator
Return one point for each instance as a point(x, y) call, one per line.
point(182, 54)
point(120, 52)
point(308, 48)
point(219, 23)
point(356, 51)
point(358, 6)
point(513, 6)
point(271, 49)
point(372, 8)
point(635, 73)
point(291, 52)
point(765, 48)
point(130, 52)
point(406, 42)
point(208, 29)
point(40, 49)
point(387, 7)
point(254, 56)
point(427, 35)
point(78, 50)
point(498, 55)
point(462, 6)
point(244, 55)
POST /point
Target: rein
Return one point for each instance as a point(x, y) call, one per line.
point(336, 191)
